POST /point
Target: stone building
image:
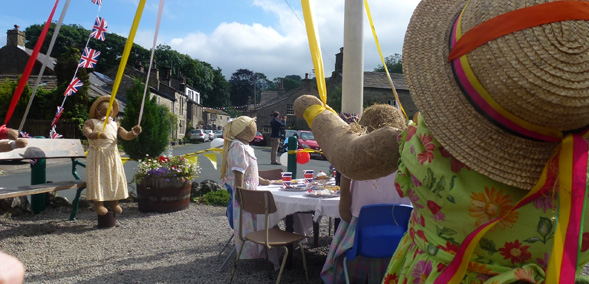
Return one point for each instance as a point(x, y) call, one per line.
point(215, 119)
point(14, 57)
point(282, 102)
point(376, 87)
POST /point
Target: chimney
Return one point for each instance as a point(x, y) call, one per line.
point(154, 78)
point(15, 37)
point(339, 60)
point(307, 82)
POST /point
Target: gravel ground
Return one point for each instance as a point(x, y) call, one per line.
point(179, 247)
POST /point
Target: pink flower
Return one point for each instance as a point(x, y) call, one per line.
point(414, 198)
point(421, 271)
point(427, 142)
point(525, 274)
point(425, 156)
point(398, 188)
point(543, 262)
point(415, 181)
point(544, 203)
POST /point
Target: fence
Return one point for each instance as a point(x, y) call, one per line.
point(37, 127)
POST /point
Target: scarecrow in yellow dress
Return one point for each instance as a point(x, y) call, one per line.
point(105, 179)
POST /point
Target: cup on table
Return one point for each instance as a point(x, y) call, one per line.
point(286, 178)
point(308, 174)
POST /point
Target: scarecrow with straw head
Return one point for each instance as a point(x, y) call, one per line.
point(495, 163)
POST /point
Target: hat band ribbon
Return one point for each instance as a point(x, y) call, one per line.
point(569, 160)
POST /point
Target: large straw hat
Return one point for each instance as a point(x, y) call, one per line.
point(539, 74)
point(113, 112)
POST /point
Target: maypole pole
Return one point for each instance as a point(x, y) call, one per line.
point(353, 61)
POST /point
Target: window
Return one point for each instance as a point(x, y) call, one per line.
point(266, 130)
point(392, 102)
point(289, 109)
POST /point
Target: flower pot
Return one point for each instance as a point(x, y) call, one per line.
point(163, 195)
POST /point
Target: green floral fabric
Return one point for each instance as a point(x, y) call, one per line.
point(451, 200)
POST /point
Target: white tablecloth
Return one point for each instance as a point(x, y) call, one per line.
point(289, 202)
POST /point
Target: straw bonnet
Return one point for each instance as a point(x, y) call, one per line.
point(113, 112)
point(538, 74)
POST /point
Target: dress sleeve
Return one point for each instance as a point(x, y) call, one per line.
point(238, 159)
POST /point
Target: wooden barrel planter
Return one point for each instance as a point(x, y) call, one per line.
point(163, 195)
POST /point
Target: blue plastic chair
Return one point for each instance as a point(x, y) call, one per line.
point(229, 214)
point(379, 229)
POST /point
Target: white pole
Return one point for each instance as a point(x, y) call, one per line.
point(353, 61)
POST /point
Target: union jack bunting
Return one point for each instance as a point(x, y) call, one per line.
point(97, 2)
point(25, 135)
point(75, 84)
point(57, 116)
point(53, 134)
point(99, 29)
point(33, 162)
point(89, 58)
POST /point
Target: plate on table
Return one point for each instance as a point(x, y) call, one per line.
point(321, 195)
point(298, 187)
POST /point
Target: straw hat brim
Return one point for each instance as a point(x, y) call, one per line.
point(113, 112)
point(458, 127)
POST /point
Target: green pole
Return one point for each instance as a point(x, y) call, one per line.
point(292, 158)
point(39, 176)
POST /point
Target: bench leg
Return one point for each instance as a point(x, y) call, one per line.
point(76, 204)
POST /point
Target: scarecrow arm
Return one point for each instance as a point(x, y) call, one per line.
point(130, 135)
point(358, 157)
point(87, 129)
point(345, 200)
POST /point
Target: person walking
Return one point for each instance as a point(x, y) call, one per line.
point(276, 126)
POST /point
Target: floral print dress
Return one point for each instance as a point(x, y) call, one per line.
point(450, 201)
point(241, 158)
point(105, 176)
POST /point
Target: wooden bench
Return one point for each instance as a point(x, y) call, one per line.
point(47, 149)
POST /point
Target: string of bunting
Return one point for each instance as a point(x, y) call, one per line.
point(230, 107)
point(88, 59)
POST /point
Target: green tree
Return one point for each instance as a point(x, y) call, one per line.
point(76, 106)
point(219, 95)
point(394, 64)
point(335, 99)
point(241, 86)
point(155, 124)
point(7, 89)
point(292, 82)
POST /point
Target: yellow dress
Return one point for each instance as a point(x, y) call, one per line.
point(105, 177)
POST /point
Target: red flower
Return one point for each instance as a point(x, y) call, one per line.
point(411, 130)
point(515, 252)
point(440, 267)
point(425, 156)
point(391, 279)
point(585, 243)
point(427, 142)
point(455, 165)
point(398, 188)
point(435, 209)
point(450, 247)
point(421, 234)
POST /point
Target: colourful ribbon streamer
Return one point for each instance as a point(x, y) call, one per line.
point(157, 30)
point(369, 16)
point(53, 38)
point(29, 67)
point(315, 47)
point(125, 57)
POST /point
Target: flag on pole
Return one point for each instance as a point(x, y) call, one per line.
point(53, 134)
point(57, 116)
point(99, 29)
point(89, 58)
point(97, 2)
point(75, 84)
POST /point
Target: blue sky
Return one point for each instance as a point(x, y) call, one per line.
point(266, 36)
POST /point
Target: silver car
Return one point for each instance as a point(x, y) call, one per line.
point(211, 134)
point(199, 135)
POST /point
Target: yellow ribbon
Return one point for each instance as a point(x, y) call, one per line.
point(311, 113)
point(125, 57)
point(369, 16)
point(304, 150)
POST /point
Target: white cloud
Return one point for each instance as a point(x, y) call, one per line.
point(282, 49)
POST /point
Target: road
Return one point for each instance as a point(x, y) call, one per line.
point(19, 173)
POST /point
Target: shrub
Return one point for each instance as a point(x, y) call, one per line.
point(217, 198)
point(155, 124)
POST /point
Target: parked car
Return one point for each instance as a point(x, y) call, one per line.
point(218, 133)
point(307, 141)
point(287, 133)
point(211, 134)
point(258, 139)
point(199, 135)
